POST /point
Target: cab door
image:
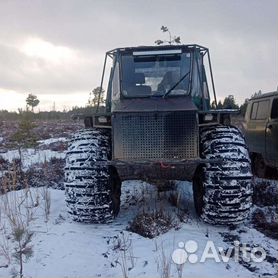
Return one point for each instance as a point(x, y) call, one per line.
point(256, 126)
point(272, 135)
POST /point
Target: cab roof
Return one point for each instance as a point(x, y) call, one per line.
point(158, 47)
point(266, 95)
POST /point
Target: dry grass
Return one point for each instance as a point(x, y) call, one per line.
point(265, 220)
point(17, 210)
point(164, 263)
point(123, 250)
point(50, 173)
point(152, 224)
point(265, 193)
point(46, 201)
point(265, 216)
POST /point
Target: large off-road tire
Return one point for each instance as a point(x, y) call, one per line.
point(223, 192)
point(92, 187)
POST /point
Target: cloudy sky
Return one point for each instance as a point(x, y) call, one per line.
point(55, 49)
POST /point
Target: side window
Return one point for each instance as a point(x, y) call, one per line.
point(260, 110)
point(263, 110)
point(254, 110)
point(274, 110)
point(248, 112)
point(115, 83)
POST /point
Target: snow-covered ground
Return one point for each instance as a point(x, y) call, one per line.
point(52, 140)
point(32, 156)
point(35, 156)
point(63, 248)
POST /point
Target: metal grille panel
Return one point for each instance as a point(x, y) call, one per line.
point(167, 135)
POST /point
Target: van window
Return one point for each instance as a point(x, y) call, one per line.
point(274, 110)
point(260, 110)
point(254, 110)
point(263, 110)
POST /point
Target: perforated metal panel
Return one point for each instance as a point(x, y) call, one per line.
point(150, 135)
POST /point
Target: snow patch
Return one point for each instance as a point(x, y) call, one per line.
point(32, 156)
point(52, 140)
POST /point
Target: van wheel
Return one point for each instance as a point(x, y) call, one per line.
point(259, 166)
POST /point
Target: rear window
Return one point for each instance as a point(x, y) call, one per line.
point(274, 110)
point(260, 110)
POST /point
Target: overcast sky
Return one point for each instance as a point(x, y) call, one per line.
point(55, 49)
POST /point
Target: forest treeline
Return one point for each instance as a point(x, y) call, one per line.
point(32, 101)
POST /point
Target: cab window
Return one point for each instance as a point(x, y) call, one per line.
point(146, 76)
point(115, 83)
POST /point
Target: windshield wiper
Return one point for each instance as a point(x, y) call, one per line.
point(171, 89)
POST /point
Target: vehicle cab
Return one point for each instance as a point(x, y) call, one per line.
point(261, 131)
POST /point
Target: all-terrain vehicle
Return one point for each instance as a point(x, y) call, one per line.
point(158, 125)
point(261, 132)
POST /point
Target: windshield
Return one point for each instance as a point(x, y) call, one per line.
point(155, 75)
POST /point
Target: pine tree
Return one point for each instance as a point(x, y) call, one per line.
point(32, 101)
point(23, 250)
point(243, 107)
point(219, 105)
point(96, 97)
point(24, 137)
point(230, 103)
